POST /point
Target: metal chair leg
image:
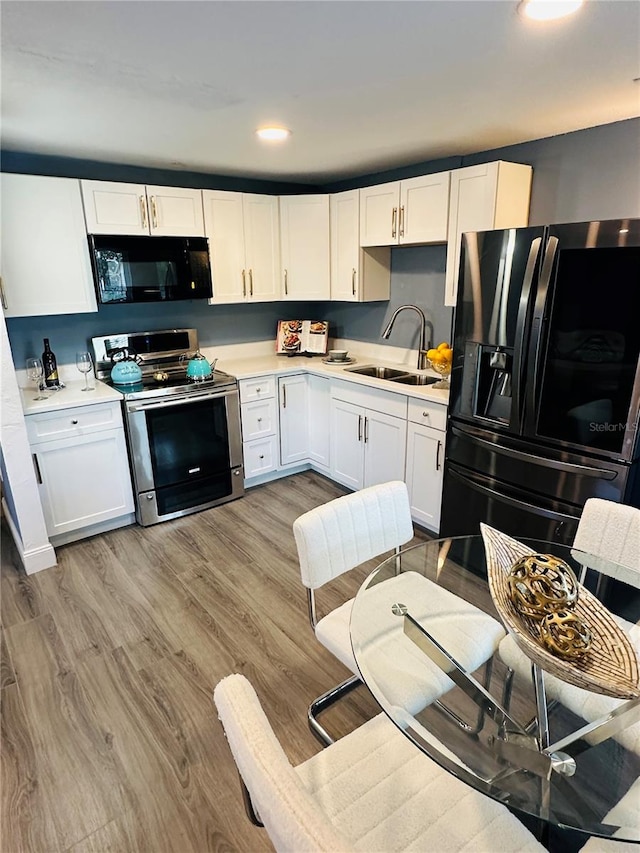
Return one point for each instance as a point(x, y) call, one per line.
point(469, 728)
point(326, 701)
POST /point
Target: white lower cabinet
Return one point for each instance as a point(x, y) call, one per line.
point(82, 468)
point(259, 418)
point(294, 420)
point(368, 445)
point(319, 398)
point(425, 461)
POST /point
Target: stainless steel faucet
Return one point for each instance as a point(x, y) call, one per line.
point(424, 346)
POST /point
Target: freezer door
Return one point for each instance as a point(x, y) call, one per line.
point(583, 388)
point(498, 276)
point(532, 491)
point(470, 498)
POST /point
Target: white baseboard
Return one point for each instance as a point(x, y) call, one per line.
point(35, 559)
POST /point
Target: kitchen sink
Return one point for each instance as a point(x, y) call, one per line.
point(393, 374)
point(377, 372)
point(414, 379)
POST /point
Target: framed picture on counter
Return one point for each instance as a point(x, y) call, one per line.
point(302, 337)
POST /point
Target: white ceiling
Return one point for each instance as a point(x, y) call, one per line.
point(365, 85)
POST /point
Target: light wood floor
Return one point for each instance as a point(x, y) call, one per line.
point(110, 740)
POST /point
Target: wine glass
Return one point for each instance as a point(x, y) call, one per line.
point(35, 372)
point(84, 365)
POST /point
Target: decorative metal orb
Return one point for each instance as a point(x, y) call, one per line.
point(565, 635)
point(540, 584)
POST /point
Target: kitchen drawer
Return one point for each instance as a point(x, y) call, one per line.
point(428, 413)
point(260, 456)
point(81, 420)
point(386, 402)
point(259, 419)
point(257, 389)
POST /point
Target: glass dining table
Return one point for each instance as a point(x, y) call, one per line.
point(569, 758)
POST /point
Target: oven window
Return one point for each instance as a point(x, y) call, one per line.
point(188, 442)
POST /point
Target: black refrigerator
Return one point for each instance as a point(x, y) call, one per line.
point(545, 386)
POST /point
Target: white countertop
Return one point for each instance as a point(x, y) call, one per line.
point(69, 396)
point(244, 368)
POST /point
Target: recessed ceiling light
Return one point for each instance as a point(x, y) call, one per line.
point(548, 10)
point(273, 134)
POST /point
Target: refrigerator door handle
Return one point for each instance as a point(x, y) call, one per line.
point(512, 453)
point(514, 502)
point(537, 328)
point(521, 325)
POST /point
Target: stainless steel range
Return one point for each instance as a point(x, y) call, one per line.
point(184, 437)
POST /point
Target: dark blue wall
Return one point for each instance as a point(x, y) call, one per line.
point(589, 174)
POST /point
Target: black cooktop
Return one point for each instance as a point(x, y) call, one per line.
point(163, 383)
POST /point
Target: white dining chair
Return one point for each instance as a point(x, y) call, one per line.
point(372, 790)
point(624, 813)
point(606, 531)
point(346, 532)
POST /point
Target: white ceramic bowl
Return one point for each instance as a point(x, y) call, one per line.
point(338, 354)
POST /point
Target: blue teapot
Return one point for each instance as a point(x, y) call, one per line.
point(198, 367)
point(125, 370)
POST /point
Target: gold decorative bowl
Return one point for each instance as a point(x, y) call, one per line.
point(444, 369)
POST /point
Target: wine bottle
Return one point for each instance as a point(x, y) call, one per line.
point(50, 366)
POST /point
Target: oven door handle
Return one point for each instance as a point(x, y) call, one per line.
point(187, 398)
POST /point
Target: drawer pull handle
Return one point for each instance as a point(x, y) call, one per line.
point(258, 390)
point(37, 467)
point(261, 456)
point(259, 420)
point(425, 414)
point(74, 421)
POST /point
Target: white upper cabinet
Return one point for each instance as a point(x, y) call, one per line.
point(492, 195)
point(405, 212)
point(114, 208)
point(304, 243)
point(357, 275)
point(45, 256)
point(244, 243)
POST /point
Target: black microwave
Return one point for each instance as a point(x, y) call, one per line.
point(150, 269)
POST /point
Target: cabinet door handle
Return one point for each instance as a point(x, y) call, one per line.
point(259, 420)
point(359, 427)
point(74, 421)
point(353, 282)
point(425, 415)
point(394, 221)
point(244, 285)
point(261, 456)
point(143, 210)
point(402, 221)
point(2, 296)
point(250, 282)
point(37, 467)
point(438, 456)
point(154, 212)
point(284, 396)
point(366, 430)
point(286, 288)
